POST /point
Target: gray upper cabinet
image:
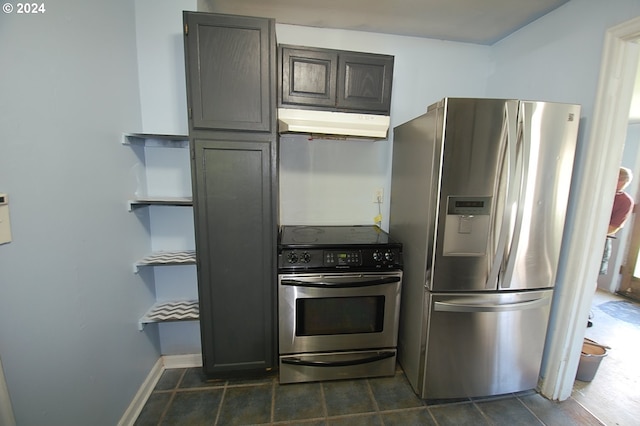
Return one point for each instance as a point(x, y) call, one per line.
point(334, 80)
point(309, 77)
point(229, 71)
point(364, 82)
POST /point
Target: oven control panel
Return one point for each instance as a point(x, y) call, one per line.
point(366, 258)
point(342, 258)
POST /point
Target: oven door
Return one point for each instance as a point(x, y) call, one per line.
point(338, 311)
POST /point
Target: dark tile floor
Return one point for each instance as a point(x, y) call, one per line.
point(183, 397)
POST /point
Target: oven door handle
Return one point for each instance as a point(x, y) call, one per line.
point(349, 284)
point(380, 356)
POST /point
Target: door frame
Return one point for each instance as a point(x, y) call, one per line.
point(6, 410)
point(599, 170)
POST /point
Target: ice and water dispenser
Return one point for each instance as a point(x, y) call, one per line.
point(467, 225)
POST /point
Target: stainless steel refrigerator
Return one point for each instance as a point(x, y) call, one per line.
point(478, 198)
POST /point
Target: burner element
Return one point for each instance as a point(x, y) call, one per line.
point(306, 234)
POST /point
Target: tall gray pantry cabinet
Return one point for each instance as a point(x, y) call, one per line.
point(231, 97)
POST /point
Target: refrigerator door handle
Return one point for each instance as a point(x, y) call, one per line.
point(463, 307)
point(523, 157)
point(503, 209)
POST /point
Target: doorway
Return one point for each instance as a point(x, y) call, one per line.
point(622, 266)
point(600, 161)
point(630, 283)
point(630, 280)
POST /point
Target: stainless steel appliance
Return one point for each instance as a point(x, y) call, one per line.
point(338, 302)
point(478, 199)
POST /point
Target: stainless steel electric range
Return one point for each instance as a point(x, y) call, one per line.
point(338, 302)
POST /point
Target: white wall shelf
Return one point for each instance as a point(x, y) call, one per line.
point(155, 140)
point(158, 176)
point(167, 258)
point(182, 310)
point(159, 201)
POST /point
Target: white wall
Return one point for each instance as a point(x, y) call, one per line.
point(557, 58)
point(69, 302)
point(163, 95)
point(160, 48)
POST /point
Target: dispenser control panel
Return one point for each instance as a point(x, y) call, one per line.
point(469, 205)
point(467, 226)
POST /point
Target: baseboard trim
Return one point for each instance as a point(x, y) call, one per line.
point(164, 362)
point(182, 361)
point(6, 409)
point(129, 417)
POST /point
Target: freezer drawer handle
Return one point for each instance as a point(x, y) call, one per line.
point(350, 284)
point(461, 307)
point(379, 357)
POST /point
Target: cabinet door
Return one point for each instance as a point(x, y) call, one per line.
point(234, 186)
point(308, 77)
point(230, 64)
point(364, 82)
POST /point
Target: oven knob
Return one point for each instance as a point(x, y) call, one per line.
point(389, 256)
point(292, 257)
point(377, 256)
point(306, 257)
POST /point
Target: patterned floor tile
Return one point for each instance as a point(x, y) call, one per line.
point(298, 401)
point(169, 379)
point(358, 420)
point(507, 412)
point(347, 397)
point(416, 417)
point(152, 411)
point(566, 413)
point(246, 405)
point(194, 408)
point(392, 393)
point(195, 378)
point(462, 414)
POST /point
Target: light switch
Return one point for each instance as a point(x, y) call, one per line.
point(5, 225)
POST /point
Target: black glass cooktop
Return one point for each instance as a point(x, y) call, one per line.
point(333, 236)
point(337, 248)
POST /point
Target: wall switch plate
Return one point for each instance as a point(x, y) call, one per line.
point(5, 225)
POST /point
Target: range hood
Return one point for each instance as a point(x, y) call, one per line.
point(333, 123)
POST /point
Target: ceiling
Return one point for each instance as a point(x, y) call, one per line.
point(469, 21)
point(482, 22)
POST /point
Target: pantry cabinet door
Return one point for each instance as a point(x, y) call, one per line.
point(234, 205)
